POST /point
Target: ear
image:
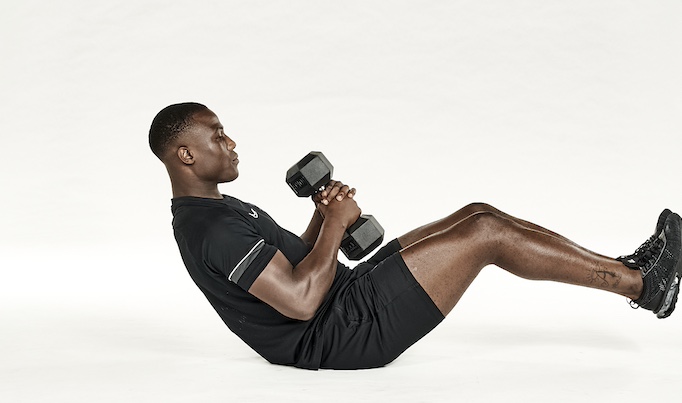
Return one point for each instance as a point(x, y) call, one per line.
point(185, 155)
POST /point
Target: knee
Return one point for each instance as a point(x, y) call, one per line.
point(478, 207)
point(483, 231)
point(469, 210)
point(486, 223)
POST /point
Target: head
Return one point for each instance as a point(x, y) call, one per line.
point(169, 124)
point(190, 140)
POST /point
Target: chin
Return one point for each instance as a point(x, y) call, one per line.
point(232, 178)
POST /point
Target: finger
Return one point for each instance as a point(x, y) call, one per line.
point(334, 191)
point(342, 192)
point(327, 188)
point(351, 193)
point(317, 198)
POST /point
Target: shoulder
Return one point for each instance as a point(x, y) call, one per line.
point(209, 224)
point(208, 212)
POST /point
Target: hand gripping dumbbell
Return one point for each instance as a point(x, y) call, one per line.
point(308, 177)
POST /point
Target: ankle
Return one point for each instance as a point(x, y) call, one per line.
point(636, 285)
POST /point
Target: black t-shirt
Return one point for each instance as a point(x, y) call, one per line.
point(225, 244)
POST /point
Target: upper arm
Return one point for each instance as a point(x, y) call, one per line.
point(277, 287)
point(234, 249)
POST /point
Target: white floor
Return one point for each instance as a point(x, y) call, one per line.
point(132, 330)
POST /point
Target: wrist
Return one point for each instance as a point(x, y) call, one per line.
point(335, 222)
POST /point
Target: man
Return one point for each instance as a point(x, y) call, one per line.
point(291, 300)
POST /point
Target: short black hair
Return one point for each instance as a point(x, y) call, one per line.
point(169, 123)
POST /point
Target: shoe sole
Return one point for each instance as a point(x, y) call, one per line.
point(671, 292)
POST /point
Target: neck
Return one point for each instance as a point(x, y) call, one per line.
point(195, 188)
point(214, 194)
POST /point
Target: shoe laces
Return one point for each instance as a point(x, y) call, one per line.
point(645, 246)
point(649, 256)
point(646, 261)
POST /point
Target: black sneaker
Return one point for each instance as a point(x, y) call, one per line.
point(640, 257)
point(661, 273)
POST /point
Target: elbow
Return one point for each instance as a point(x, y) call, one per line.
point(304, 316)
point(302, 313)
point(307, 304)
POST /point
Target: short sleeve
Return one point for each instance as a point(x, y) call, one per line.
point(234, 248)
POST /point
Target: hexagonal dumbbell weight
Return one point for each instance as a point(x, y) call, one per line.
point(308, 177)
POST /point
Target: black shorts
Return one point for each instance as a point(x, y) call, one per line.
point(377, 315)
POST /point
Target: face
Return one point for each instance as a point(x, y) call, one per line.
point(209, 150)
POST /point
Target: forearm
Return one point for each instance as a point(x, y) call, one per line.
point(315, 273)
point(312, 232)
point(297, 292)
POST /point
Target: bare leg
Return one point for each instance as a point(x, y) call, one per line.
point(473, 208)
point(447, 261)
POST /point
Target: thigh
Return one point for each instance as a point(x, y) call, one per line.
point(446, 263)
point(377, 317)
point(460, 215)
point(425, 231)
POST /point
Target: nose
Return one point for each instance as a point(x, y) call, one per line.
point(231, 144)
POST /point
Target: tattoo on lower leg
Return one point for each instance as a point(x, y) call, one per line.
point(601, 277)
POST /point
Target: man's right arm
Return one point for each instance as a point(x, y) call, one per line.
point(297, 292)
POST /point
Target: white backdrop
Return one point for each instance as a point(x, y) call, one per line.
point(563, 113)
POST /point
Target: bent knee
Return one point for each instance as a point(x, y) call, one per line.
point(479, 207)
point(488, 222)
point(467, 211)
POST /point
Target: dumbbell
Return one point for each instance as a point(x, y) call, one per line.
point(308, 177)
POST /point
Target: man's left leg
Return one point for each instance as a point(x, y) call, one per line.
point(446, 260)
point(422, 232)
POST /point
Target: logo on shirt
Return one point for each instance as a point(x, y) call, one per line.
point(253, 213)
